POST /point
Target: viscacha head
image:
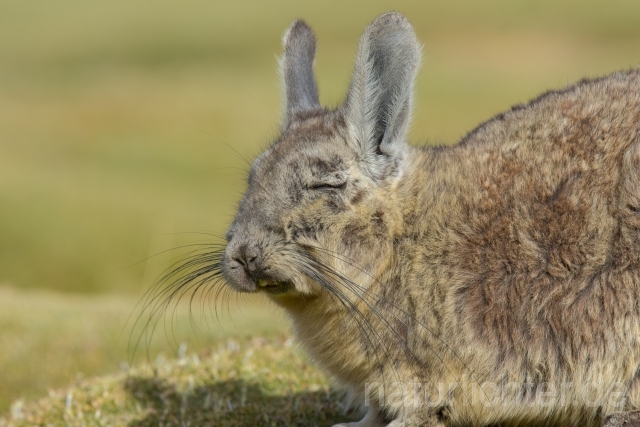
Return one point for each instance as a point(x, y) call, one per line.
point(323, 193)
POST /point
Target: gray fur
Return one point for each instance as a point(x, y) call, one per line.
point(301, 94)
point(626, 419)
point(512, 257)
point(378, 105)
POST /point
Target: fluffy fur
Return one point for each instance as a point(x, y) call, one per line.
point(510, 259)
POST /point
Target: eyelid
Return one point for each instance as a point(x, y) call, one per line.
point(336, 180)
point(325, 185)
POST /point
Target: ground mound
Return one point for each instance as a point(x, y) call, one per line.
point(260, 383)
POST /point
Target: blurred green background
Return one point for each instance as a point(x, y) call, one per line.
point(124, 127)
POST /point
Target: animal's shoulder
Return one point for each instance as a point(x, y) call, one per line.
point(611, 102)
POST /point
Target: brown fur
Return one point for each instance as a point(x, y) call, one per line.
point(511, 257)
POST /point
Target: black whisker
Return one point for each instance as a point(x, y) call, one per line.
point(353, 264)
point(310, 268)
point(195, 274)
point(223, 143)
point(358, 292)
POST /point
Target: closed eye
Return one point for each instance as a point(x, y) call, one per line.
point(327, 185)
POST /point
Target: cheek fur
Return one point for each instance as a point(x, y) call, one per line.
point(365, 231)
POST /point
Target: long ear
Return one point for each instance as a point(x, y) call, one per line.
point(301, 94)
point(378, 105)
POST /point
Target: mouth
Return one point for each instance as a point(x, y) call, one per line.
point(272, 286)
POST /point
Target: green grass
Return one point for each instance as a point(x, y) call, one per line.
point(49, 339)
point(125, 125)
point(126, 120)
point(262, 382)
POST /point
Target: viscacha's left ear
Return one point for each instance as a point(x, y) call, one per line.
point(378, 105)
point(301, 93)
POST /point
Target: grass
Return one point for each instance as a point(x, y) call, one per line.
point(263, 382)
point(126, 126)
point(124, 121)
point(49, 339)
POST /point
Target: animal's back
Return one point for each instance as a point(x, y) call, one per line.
point(511, 257)
point(537, 232)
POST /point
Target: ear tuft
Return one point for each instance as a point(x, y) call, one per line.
point(301, 93)
point(389, 24)
point(299, 32)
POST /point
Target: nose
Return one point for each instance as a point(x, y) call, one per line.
point(248, 257)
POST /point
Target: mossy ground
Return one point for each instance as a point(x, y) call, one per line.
point(51, 339)
point(257, 383)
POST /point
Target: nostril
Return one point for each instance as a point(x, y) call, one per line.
point(240, 261)
point(251, 256)
point(247, 257)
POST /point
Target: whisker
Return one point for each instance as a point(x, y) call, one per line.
point(353, 264)
point(223, 143)
point(361, 320)
point(354, 288)
point(197, 274)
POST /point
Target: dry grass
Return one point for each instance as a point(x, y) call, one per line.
point(263, 382)
point(49, 339)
